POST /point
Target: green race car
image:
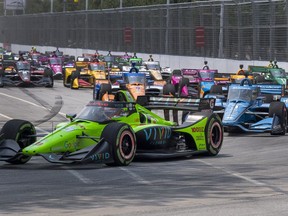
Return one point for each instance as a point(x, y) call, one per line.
point(264, 74)
point(113, 132)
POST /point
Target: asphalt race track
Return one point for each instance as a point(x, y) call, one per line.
point(248, 177)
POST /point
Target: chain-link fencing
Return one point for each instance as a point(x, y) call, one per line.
point(239, 29)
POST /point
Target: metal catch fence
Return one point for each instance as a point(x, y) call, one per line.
point(238, 29)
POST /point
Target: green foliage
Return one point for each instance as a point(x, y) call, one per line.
point(37, 6)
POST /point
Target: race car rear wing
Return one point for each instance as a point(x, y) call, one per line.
point(253, 68)
point(173, 103)
point(264, 89)
point(274, 89)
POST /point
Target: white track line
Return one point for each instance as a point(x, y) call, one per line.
point(79, 176)
point(25, 101)
point(73, 172)
point(138, 178)
point(238, 175)
point(7, 117)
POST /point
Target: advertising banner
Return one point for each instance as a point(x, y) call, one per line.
point(14, 4)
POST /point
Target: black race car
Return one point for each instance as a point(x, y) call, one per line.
point(21, 73)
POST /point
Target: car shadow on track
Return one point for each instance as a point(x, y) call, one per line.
point(250, 134)
point(38, 164)
point(42, 166)
point(192, 157)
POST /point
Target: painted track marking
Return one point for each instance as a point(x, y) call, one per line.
point(138, 178)
point(25, 101)
point(238, 175)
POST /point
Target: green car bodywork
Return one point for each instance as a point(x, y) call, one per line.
point(114, 132)
point(267, 74)
point(137, 61)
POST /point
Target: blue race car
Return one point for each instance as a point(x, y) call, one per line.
point(253, 108)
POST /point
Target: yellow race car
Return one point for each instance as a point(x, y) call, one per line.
point(85, 74)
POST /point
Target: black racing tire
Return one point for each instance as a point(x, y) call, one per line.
point(169, 89)
point(105, 87)
point(2, 74)
point(49, 74)
point(123, 141)
point(66, 82)
point(246, 81)
point(214, 135)
point(74, 75)
point(279, 109)
point(259, 79)
point(19, 130)
point(268, 98)
point(216, 89)
point(183, 82)
point(176, 73)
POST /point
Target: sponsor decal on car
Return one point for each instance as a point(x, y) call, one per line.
point(100, 156)
point(197, 129)
point(159, 133)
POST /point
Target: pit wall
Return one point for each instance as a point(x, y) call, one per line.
point(174, 62)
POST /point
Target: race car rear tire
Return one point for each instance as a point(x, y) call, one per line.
point(23, 132)
point(259, 79)
point(2, 74)
point(49, 73)
point(268, 98)
point(169, 89)
point(279, 109)
point(183, 82)
point(216, 89)
point(214, 135)
point(123, 141)
point(103, 89)
point(74, 78)
point(176, 73)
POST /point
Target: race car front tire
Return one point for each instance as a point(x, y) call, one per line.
point(214, 135)
point(66, 80)
point(123, 141)
point(49, 74)
point(216, 89)
point(23, 132)
point(74, 79)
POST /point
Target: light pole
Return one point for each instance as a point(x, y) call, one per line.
point(51, 6)
point(220, 51)
point(64, 5)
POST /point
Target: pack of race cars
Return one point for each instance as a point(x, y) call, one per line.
point(125, 102)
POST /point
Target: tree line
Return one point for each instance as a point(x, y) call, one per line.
point(44, 6)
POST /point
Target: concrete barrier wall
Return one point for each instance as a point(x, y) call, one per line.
point(174, 62)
